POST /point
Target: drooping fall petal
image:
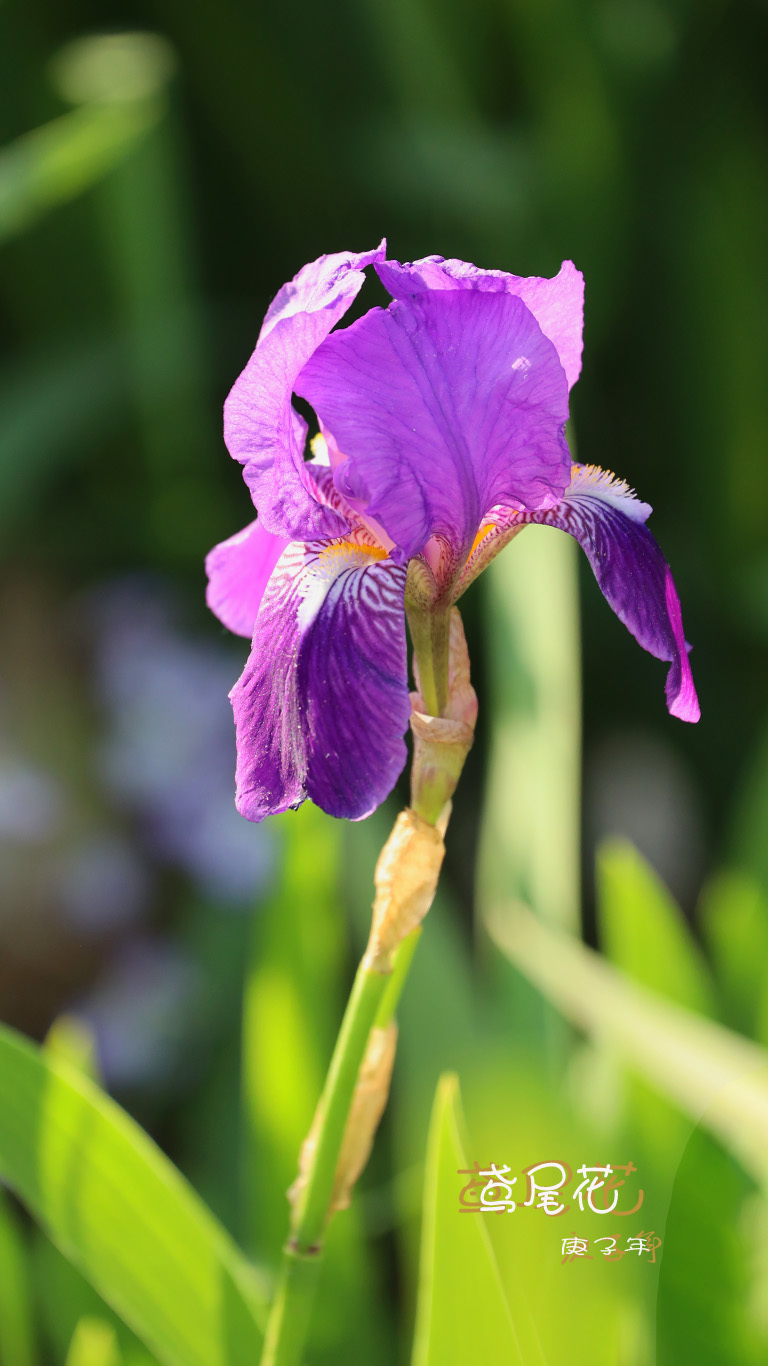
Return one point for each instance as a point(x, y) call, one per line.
point(322, 706)
point(602, 513)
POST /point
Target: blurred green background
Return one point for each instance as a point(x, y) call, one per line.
point(164, 169)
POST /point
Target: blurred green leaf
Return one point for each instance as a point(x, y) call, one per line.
point(64, 1297)
point(118, 80)
point(17, 1333)
point(55, 163)
point(462, 1312)
point(533, 787)
point(94, 1344)
point(123, 1214)
point(644, 932)
point(73, 1041)
point(705, 1276)
point(712, 1074)
point(748, 845)
point(534, 780)
point(734, 921)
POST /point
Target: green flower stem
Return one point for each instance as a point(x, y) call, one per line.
point(311, 1214)
point(291, 1310)
point(430, 633)
point(373, 1001)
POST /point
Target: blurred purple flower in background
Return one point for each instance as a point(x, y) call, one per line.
point(442, 435)
point(139, 1012)
point(99, 806)
point(168, 748)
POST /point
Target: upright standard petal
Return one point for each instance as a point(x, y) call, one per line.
point(556, 304)
point(261, 428)
point(322, 706)
point(444, 404)
point(238, 572)
point(608, 521)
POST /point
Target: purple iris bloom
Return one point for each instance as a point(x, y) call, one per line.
point(441, 436)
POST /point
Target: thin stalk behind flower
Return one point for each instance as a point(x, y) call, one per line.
point(355, 1092)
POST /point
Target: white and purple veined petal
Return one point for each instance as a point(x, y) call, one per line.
point(240, 568)
point(322, 706)
point(445, 404)
point(606, 518)
point(557, 304)
point(261, 428)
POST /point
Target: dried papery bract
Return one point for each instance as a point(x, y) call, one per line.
point(368, 1105)
point(406, 881)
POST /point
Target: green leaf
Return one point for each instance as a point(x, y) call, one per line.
point(93, 1344)
point(644, 932)
point(713, 1075)
point(17, 1334)
point(64, 1297)
point(734, 920)
point(462, 1313)
point(706, 1279)
point(123, 1214)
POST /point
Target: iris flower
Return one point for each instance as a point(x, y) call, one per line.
point(441, 437)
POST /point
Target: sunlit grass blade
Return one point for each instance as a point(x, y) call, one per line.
point(94, 1344)
point(643, 931)
point(17, 1332)
point(712, 1074)
point(57, 162)
point(123, 1214)
point(462, 1313)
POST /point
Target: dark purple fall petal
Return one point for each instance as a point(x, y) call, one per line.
point(322, 706)
point(608, 521)
point(445, 404)
point(261, 428)
point(238, 572)
point(556, 304)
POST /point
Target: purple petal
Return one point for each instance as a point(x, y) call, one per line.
point(322, 706)
point(445, 404)
point(556, 304)
point(238, 572)
point(261, 428)
point(608, 521)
